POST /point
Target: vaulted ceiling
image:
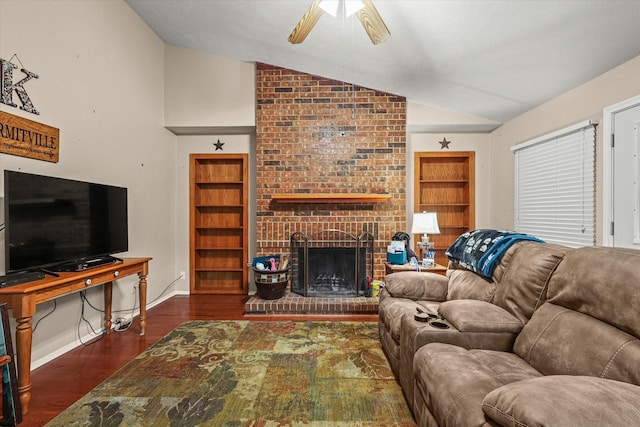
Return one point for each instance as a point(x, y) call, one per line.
point(491, 59)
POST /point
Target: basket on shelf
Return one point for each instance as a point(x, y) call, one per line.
point(271, 284)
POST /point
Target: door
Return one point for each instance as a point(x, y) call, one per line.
point(625, 179)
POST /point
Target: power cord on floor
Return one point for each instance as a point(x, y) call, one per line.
point(100, 334)
point(121, 324)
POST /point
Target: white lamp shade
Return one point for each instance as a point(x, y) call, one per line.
point(425, 223)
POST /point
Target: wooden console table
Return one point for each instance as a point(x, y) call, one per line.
point(23, 298)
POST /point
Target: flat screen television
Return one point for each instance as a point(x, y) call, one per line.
point(61, 224)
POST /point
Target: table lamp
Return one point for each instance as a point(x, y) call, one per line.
point(426, 223)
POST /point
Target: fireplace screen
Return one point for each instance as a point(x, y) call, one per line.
point(331, 263)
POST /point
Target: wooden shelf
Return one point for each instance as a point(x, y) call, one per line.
point(213, 183)
point(219, 223)
point(445, 184)
point(445, 181)
point(207, 206)
point(205, 228)
point(331, 197)
point(453, 205)
point(218, 248)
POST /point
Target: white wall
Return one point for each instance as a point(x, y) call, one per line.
point(101, 83)
point(584, 102)
point(425, 118)
point(204, 90)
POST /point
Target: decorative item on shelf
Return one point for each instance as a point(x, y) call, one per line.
point(426, 223)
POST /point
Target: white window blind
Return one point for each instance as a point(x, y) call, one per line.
point(555, 186)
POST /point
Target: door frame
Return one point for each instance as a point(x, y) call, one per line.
point(607, 164)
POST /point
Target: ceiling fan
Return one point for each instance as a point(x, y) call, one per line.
point(366, 11)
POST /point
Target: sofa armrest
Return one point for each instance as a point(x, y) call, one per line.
point(564, 400)
point(478, 316)
point(415, 334)
point(417, 286)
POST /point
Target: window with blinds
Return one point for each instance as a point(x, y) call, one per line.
point(555, 186)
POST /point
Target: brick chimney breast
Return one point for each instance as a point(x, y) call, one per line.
point(318, 135)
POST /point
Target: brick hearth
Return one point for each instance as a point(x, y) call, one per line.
point(292, 303)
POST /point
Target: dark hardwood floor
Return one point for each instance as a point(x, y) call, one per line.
point(59, 383)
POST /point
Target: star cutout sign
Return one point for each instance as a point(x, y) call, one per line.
point(219, 145)
point(444, 144)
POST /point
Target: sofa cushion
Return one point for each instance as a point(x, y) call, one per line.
point(500, 268)
point(564, 400)
point(560, 341)
point(505, 260)
point(523, 287)
point(478, 316)
point(416, 286)
point(598, 281)
point(464, 284)
point(453, 381)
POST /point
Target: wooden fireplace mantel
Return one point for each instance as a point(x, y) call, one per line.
point(331, 197)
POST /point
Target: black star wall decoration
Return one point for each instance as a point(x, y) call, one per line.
point(218, 145)
point(444, 144)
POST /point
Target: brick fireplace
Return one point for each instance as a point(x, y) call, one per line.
point(317, 135)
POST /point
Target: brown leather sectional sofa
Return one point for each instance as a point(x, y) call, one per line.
point(550, 339)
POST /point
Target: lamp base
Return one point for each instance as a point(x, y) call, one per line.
point(428, 252)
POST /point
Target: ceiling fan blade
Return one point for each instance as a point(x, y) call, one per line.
point(373, 23)
point(305, 25)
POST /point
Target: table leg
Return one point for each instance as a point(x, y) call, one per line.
point(24, 335)
point(108, 297)
point(143, 302)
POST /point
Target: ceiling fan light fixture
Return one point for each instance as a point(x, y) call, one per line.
point(352, 6)
point(366, 11)
point(330, 6)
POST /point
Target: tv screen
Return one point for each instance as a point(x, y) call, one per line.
point(51, 221)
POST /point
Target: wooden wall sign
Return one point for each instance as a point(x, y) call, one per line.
point(26, 138)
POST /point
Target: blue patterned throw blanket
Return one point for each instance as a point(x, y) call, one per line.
point(480, 250)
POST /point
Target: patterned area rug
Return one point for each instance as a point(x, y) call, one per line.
point(251, 373)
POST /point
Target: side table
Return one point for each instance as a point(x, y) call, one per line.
point(396, 268)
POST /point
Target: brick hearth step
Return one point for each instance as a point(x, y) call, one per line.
point(293, 303)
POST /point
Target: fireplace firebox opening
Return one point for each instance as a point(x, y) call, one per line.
point(331, 263)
